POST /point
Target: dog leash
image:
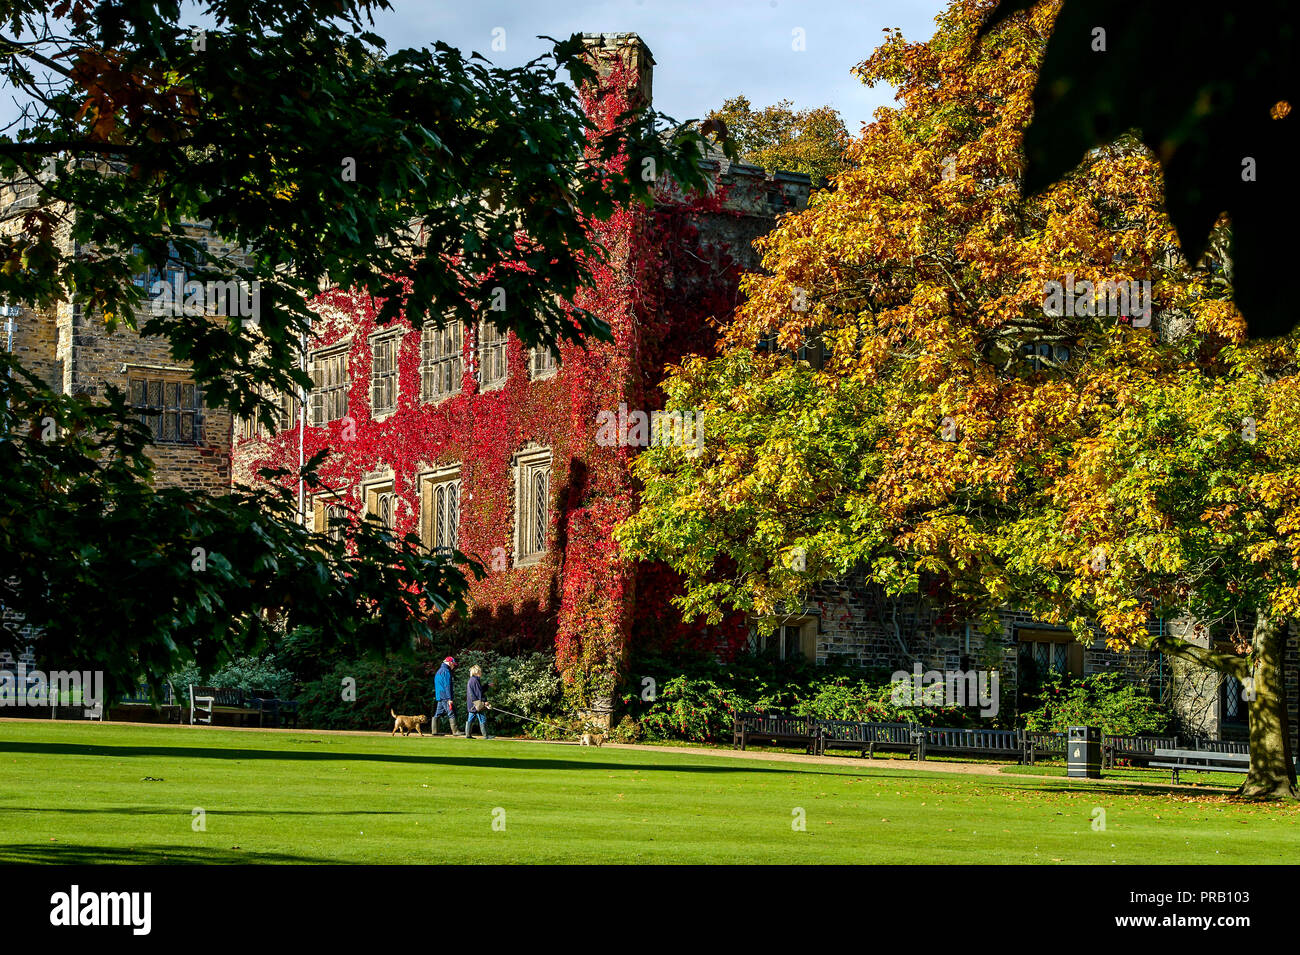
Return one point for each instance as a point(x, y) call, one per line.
point(520, 716)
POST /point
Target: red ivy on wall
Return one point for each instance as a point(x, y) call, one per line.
point(657, 289)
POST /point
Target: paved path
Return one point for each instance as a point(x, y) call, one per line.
point(973, 769)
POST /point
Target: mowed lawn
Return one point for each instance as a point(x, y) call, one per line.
point(104, 793)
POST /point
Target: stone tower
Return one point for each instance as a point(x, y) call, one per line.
point(606, 50)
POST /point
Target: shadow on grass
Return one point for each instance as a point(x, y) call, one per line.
point(166, 811)
point(1048, 784)
point(47, 854)
point(1117, 787)
point(317, 755)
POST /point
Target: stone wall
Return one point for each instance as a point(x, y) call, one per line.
point(77, 354)
point(857, 626)
point(754, 199)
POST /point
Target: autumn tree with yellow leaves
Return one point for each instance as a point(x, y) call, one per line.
point(812, 141)
point(1095, 460)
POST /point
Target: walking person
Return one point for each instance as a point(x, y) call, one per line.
point(475, 705)
point(442, 693)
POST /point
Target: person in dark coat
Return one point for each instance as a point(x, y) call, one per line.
point(475, 704)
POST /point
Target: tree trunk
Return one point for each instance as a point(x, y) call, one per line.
point(1272, 766)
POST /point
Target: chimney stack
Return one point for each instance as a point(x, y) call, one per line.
point(607, 50)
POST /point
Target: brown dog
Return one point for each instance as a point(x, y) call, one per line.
point(408, 724)
point(591, 739)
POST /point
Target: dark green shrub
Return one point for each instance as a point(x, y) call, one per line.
point(359, 694)
point(697, 709)
point(840, 698)
point(627, 731)
point(1103, 699)
point(243, 673)
point(527, 685)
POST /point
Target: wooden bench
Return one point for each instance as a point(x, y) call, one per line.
point(867, 738)
point(272, 711)
point(1133, 747)
point(1038, 744)
point(206, 700)
point(1221, 745)
point(775, 729)
point(841, 734)
point(140, 696)
point(972, 742)
point(1199, 760)
point(137, 706)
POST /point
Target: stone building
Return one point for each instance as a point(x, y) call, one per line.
point(76, 354)
point(469, 439)
point(849, 621)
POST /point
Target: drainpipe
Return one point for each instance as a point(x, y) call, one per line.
point(9, 329)
point(302, 427)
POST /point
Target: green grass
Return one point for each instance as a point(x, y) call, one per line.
point(95, 793)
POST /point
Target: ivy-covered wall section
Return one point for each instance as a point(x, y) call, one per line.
point(670, 269)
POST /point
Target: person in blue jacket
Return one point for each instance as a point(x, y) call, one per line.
point(475, 705)
point(442, 693)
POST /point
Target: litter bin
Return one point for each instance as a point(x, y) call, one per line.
point(1083, 752)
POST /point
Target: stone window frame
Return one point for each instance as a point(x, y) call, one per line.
point(806, 629)
point(813, 349)
point(325, 505)
point(533, 470)
point(172, 267)
point(1071, 652)
point(247, 428)
point(254, 428)
point(288, 411)
point(328, 399)
point(288, 404)
point(1232, 707)
point(442, 360)
point(439, 486)
point(250, 428)
point(157, 394)
point(543, 362)
point(385, 377)
point(497, 360)
point(379, 499)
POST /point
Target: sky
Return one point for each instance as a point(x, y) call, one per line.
point(705, 51)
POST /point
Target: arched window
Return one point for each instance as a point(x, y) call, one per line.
point(532, 504)
point(446, 515)
point(440, 492)
point(385, 503)
point(539, 508)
